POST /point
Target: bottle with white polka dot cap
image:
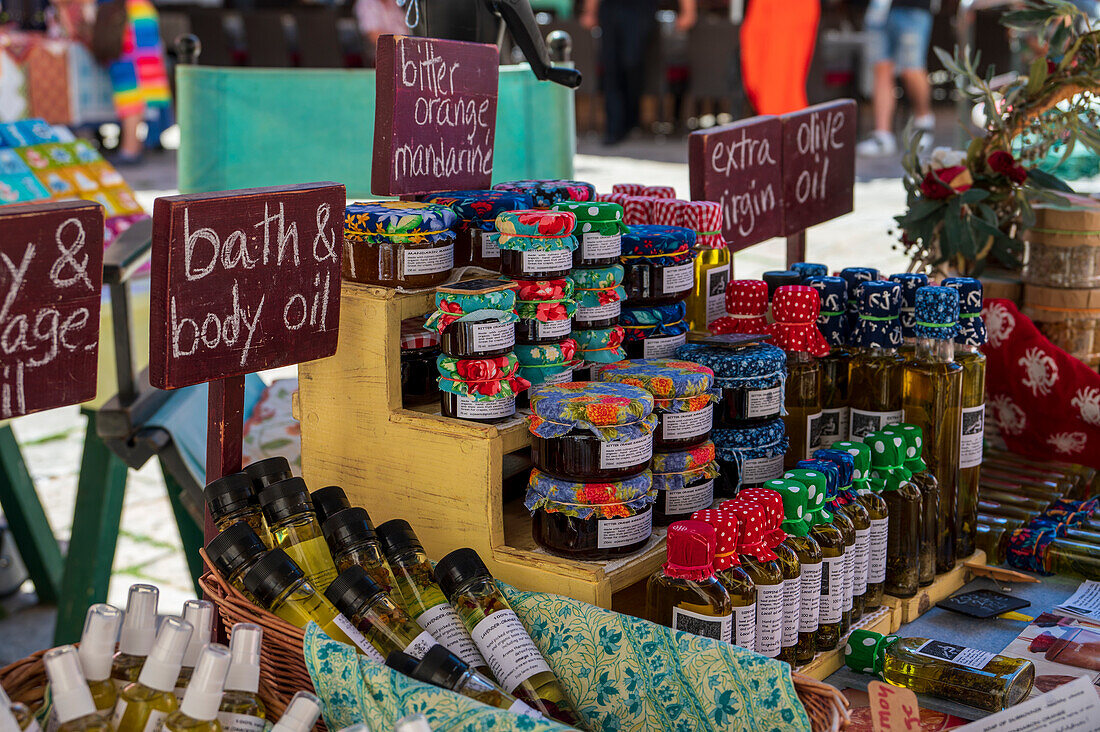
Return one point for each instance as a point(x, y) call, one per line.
point(970, 676)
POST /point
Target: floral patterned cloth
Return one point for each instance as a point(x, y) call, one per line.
point(612, 412)
point(452, 306)
point(795, 309)
point(545, 300)
point(600, 217)
point(879, 304)
point(598, 286)
point(674, 470)
point(758, 442)
point(479, 209)
point(402, 222)
point(746, 304)
point(833, 319)
point(538, 363)
point(652, 321)
point(601, 346)
point(937, 313)
point(545, 193)
point(271, 428)
point(759, 366)
point(971, 326)
point(620, 499)
point(481, 379)
point(660, 245)
point(806, 270)
point(664, 378)
point(535, 231)
point(910, 282)
point(856, 276)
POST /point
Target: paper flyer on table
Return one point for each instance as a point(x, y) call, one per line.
point(1084, 604)
point(1072, 707)
point(1061, 648)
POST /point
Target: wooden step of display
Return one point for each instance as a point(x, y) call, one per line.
point(882, 620)
point(908, 609)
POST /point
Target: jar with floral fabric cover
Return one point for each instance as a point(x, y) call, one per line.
point(547, 363)
point(659, 262)
point(535, 244)
point(684, 482)
point(599, 346)
point(654, 331)
point(479, 389)
point(750, 456)
point(403, 244)
point(600, 296)
point(477, 211)
point(599, 231)
point(545, 193)
point(751, 380)
point(544, 308)
point(475, 318)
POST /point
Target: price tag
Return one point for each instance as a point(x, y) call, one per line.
point(893, 709)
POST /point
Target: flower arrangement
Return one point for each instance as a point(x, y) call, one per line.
point(965, 207)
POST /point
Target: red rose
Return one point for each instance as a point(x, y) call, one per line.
point(595, 493)
point(475, 369)
point(482, 207)
point(945, 182)
point(616, 338)
point(606, 297)
point(1051, 66)
point(501, 362)
point(450, 307)
point(488, 388)
point(1002, 162)
point(550, 311)
point(518, 384)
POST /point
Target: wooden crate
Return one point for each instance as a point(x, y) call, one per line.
point(444, 476)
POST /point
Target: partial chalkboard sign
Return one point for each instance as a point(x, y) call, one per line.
point(982, 603)
point(740, 166)
point(434, 115)
point(244, 281)
point(51, 280)
point(819, 164)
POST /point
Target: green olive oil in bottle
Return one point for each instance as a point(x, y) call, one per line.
point(354, 543)
point(279, 585)
point(831, 543)
point(730, 573)
point(72, 699)
point(144, 704)
point(233, 553)
point(97, 647)
point(929, 496)
point(377, 625)
point(903, 500)
point(878, 515)
point(139, 628)
point(232, 498)
point(294, 529)
point(198, 712)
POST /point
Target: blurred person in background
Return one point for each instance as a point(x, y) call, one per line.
point(777, 46)
point(378, 18)
point(628, 29)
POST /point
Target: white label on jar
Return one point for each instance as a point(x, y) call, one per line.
point(547, 261)
point(662, 347)
point(679, 277)
point(813, 433)
point(876, 558)
point(443, 623)
point(682, 425)
point(612, 533)
point(600, 312)
point(358, 639)
point(744, 631)
point(562, 377)
point(863, 553)
point(832, 590)
point(233, 722)
point(492, 336)
point(512, 655)
point(769, 619)
point(688, 499)
point(973, 435)
point(959, 655)
point(518, 707)
point(810, 606)
point(155, 723)
point(554, 328)
point(834, 426)
point(717, 279)
point(595, 245)
point(489, 248)
point(718, 627)
point(864, 423)
point(764, 402)
point(420, 645)
point(468, 408)
point(792, 600)
point(427, 261)
point(849, 576)
point(626, 453)
point(757, 471)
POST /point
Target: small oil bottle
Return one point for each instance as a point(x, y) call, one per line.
point(72, 700)
point(233, 553)
point(200, 613)
point(375, 622)
point(832, 321)
point(241, 708)
point(932, 400)
point(97, 646)
point(910, 282)
point(878, 515)
point(728, 571)
point(198, 711)
point(419, 594)
point(328, 501)
point(500, 635)
point(759, 563)
point(139, 628)
point(232, 499)
point(300, 715)
point(977, 678)
point(848, 503)
point(294, 529)
point(20, 713)
point(354, 543)
point(891, 479)
point(968, 342)
point(795, 309)
point(875, 372)
point(929, 496)
point(685, 594)
point(267, 472)
point(847, 530)
point(144, 704)
point(713, 264)
point(279, 585)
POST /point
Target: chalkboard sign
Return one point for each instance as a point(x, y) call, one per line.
point(51, 278)
point(982, 603)
point(434, 115)
point(740, 166)
point(819, 164)
point(244, 281)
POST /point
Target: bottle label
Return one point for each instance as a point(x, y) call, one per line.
point(834, 426)
point(958, 655)
point(600, 312)
point(813, 433)
point(664, 347)
point(769, 619)
point(554, 328)
point(682, 425)
point(612, 533)
point(679, 277)
point(626, 453)
point(120, 711)
point(764, 402)
point(717, 279)
point(792, 610)
point(810, 604)
point(832, 590)
point(757, 471)
point(518, 707)
point(554, 261)
point(512, 655)
point(562, 377)
point(876, 559)
point(973, 436)
point(744, 633)
point(849, 576)
point(863, 554)
point(492, 336)
point(595, 245)
point(718, 627)
point(468, 408)
point(864, 423)
point(358, 639)
point(489, 248)
point(427, 261)
point(232, 722)
point(688, 499)
point(420, 645)
point(443, 622)
point(155, 722)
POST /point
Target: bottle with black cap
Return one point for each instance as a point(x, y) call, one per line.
point(328, 501)
point(777, 278)
point(444, 669)
point(278, 585)
point(294, 529)
point(265, 472)
point(232, 499)
point(419, 594)
point(500, 636)
point(377, 625)
point(233, 553)
point(354, 543)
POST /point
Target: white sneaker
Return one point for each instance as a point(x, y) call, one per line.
point(878, 145)
point(925, 128)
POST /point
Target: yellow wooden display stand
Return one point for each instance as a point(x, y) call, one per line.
point(444, 476)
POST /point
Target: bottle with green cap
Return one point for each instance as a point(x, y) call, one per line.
point(241, 709)
point(97, 647)
point(847, 530)
point(929, 495)
point(878, 513)
point(200, 613)
point(72, 700)
point(198, 711)
point(143, 705)
point(848, 503)
point(139, 628)
point(890, 478)
point(978, 678)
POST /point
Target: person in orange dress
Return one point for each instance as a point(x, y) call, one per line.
point(777, 45)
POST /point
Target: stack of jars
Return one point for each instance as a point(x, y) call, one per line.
point(640, 202)
point(591, 493)
point(545, 193)
point(659, 275)
point(401, 244)
point(684, 466)
point(477, 212)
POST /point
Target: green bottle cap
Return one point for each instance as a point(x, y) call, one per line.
point(861, 458)
point(796, 514)
point(887, 468)
point(816, 483)
point(865, 651)
point(914, 445)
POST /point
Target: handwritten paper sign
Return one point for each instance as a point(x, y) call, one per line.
point(51, 278)
point(1072, 707)
point(740, 167)
point(893, 709)
point(819, 163)
point(244, 281)
point(434, 115)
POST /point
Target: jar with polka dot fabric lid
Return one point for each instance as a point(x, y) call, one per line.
point(599, 232)
point(759, 562)
point(727, 567)
point(795, 309)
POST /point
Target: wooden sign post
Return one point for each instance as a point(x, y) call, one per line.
point(242, 281)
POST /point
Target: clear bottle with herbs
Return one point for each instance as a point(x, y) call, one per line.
point(144, 704)
point(847, 530)
point(377, 625)
point(329, 501)
point(875, 373)
point(294, 529)
point(759, 563)
point(444, 669)
point(835, 387)
point(831, 542)
point(732, 576)
point(200, 613)
point(234, 551)
point(139, 629)
point(279, 585)
point(232, 498)
point(848, 504)
point(241, 709)
point(97, 647)
point(354, 543)
point(913, 451)
point(73, 705)
point(198, 712)
point(500, 636)
point(878, 514)
point(890, 478)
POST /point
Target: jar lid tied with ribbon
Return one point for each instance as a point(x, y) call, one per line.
point(618, 499)
point(398, 222)
point(727, 527)
point(612, 412)
point(478, 209)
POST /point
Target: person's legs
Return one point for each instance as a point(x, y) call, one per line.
point(633, 54)
point(880, 47)
point(612, 35)
point(883, 101)
point(914, 32)
point(129, 145)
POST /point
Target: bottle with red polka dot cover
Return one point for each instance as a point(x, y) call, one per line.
point(759, 562)
point(728, 570)
point(685, 594)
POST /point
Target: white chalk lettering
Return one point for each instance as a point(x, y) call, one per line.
point(18, 274)
point(292, 304)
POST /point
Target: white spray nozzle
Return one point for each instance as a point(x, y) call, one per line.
point(139, 627)
point(245, 642)
point(412, 723)
point(71, 697)
point(300, 715)
point(162, 666)
point(200, 613)
point(97, 641)
point(204, 692)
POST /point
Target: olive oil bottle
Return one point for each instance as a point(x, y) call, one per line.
point(685, 594)
point(795, 309)
point(848, 504)
point(910, 282)
point(97, 646)
point(144, 704)
point(878, 515)
point(728, 570)
point(234, 551)
point(294, 529)
point(875, 373)
point(444, 669)
point(72, 699)
point(139, 627)
point(929, 495)
point(279, 585)
point(200, 613)
point(831, 542)
point(328, 501)
point(241, 709)
point(759, 563)
point(198, 711)
point(21, 715)
point(300, 715)
point(232, 498)
point(712, 266)
point(832, 321)
point(354, 543)
point(903, 500)
point(847, 530)
point(379, 626)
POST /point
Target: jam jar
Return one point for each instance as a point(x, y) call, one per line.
point(475, 319)
point(403, 244)
point(545, 193)
point(536, 244)
point(477, 211)
point(544, 308)
point(684, 482)
point(654, 331)
point(599, 232)
point(660, 264)
point(751, 456)
point(479, 389)
point(591, 431)
point(683, 397)
point(419, 349)
point(590, 521)
point(751, 379)
point(547, 363)
point(600, 296)
point(600, 345)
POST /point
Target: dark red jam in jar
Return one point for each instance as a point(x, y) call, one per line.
point(685, 482)
point(419, 348)
point(460, 406)
point(482, 338)
point(493, 334)
point(536, 244)
point(750, 377)
point(544, 308)
point(536, 264)
point(580, 455)
point(659, 263)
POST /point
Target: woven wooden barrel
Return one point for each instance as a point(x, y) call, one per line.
point(1064, 245)
point(1070, 318)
